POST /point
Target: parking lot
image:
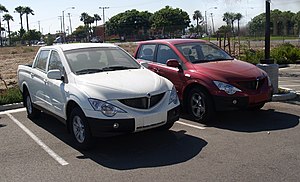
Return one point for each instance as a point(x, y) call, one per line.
point(236, 146)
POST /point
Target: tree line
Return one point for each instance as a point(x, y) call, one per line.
point(21, 34)
point(283, 23)
point(166, 22)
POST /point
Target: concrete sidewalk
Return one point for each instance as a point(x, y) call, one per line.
point(289, 77)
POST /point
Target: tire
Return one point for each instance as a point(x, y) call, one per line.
point(80, 130)
point(32, 112)
point(200, 106)
point(257, 108)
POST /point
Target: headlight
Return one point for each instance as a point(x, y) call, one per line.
point(173, 96)
point(229, 89)
point(106, 108)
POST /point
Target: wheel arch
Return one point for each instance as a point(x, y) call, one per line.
point(69, 107)
point(191, 86)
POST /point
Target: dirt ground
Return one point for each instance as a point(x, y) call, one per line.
point(11, 57)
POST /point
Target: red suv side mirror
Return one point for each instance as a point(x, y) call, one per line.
point(173, 63)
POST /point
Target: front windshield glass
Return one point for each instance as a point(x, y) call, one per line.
point(92, 60)
point(200, 52)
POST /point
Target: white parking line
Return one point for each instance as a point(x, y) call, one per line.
point(13, 111)
point(190, 125)
point(56, 157)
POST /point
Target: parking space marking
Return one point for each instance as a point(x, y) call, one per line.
point(13, 111)
point(39, 142)
point(190, 125)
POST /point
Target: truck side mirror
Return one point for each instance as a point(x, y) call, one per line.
point(55, 75)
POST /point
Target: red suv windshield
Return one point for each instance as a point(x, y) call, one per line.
point(199, 52)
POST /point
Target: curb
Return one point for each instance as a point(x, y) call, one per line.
point(11, 106)
point(292, 94)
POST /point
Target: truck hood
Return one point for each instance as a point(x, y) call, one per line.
point(229, 70)
point(122, 84)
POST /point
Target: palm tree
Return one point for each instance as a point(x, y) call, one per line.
point(198, 17)
point(84, 18)
point(7, 18)
point(229, 18)
point(97, 18)
point(238, 17)
point(27, 11)
point(20, 10)
point(2, 9)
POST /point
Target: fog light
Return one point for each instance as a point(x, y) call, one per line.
point(234, 101)
point(116, 125)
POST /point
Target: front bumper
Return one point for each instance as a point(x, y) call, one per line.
point(107, 127)
point(223, 103)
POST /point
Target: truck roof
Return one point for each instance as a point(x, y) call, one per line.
point(67, 47)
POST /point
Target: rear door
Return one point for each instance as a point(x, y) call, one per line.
point(37, 79)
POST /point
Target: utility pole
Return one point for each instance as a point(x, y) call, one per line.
point(103, 8)
point(61, 24)
point(39, 22)
point(69, 15)
point(212, 21)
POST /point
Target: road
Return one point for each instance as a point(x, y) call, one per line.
point(236, 146)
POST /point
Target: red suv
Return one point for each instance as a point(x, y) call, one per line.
point(207, 78)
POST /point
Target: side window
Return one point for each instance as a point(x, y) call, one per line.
point(165, 53)
point(41, 61)
point(146, 52)
point(55, 62)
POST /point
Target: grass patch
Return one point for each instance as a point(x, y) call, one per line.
point(12, 95)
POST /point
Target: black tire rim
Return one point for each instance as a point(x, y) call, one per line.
point(198, 105)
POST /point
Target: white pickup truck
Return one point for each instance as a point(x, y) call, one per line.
point(96, 90)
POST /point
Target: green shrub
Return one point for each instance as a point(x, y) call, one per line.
point(285, 54)
point(12, 95)
point(252, 56)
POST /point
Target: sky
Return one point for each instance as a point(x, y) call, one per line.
point(46, 18)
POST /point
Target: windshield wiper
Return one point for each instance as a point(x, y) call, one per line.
point(88, 71)
point(113, 68)
point(220, 59)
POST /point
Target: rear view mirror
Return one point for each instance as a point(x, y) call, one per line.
point(173, 63)
point(55, 74)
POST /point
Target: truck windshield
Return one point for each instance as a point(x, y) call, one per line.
point(92, 60)
point(200, 52)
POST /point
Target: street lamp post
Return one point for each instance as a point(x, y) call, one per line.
point(206, 17)
point(63, 21)
point(103, 8)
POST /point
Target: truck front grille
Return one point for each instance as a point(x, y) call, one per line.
point(143, 102)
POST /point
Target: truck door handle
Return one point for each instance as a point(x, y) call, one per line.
point(45, 81)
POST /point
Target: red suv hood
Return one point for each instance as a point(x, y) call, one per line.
point(229, 70)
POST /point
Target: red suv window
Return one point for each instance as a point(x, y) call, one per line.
point(146, 52)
